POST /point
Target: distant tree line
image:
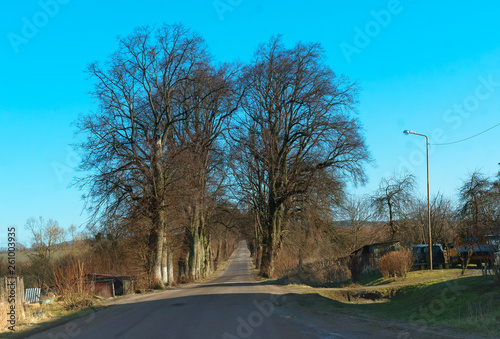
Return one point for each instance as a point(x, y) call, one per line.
point(475, 211)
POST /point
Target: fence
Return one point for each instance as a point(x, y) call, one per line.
point(11, 294)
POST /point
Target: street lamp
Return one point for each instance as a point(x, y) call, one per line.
point(406, 132)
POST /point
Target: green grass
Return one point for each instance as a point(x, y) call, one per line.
point(377, 279)
point(469, 304)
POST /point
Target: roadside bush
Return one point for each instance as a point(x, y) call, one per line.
point(321, 273)
point(396, 263)
point(72, 285)
point(285, 263)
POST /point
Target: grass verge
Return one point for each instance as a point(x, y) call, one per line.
point(439, 298)
point(46, 316)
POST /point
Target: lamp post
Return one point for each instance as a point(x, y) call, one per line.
point(406, 132)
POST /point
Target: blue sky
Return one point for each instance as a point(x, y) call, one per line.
point(432, 67)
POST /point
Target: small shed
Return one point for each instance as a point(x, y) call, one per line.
point(370, 254)
point(109, 286)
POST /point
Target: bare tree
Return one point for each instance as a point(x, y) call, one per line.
point(249, 176)
point(47, 235)
point(442, 221)
point(211, 100)
point(478, 203)
point(496, 184)
point(127, 156)
point(295, 123)
point(357, 211)
point(392, 199)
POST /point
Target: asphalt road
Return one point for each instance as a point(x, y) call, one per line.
point(232, 305)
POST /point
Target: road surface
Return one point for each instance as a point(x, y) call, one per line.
point(232, 305)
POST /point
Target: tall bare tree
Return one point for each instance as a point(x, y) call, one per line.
point(47, 236)
point(393, 199)
point(357, 211)
point(249, 177)
point(211, 100)
point(479, 203)
point(296, 122)
point(442, 221)
point(127, 155)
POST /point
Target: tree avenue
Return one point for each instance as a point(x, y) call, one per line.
point(294, 127)
point(155, 158)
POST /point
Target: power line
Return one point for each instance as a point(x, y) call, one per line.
point(475, 135)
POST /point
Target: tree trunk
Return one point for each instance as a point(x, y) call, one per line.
point(193, 254)
point(258, 243)
point(171, 267)
point(218, 256)
point(267, 264)
point(167, 266)
point(164, 266)
point(207, 258)
point(157, 243)
point(158, 210)
point(226, 246)
point(200, 257)
point(258, 260)
point(271, 243)
point(391, 223)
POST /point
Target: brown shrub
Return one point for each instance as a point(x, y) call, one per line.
point(396, 263)
point(336, 271)
point(285, 263)
point(73, 286)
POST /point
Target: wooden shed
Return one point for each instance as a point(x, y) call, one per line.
point(109, 286)
point(369, 255)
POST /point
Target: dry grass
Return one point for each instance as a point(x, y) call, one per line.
point(285, 263)
point(325, 272)
point(4, 309)
point(72, 284)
